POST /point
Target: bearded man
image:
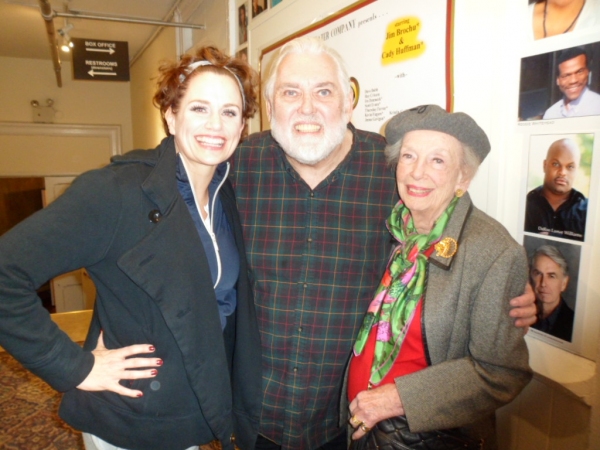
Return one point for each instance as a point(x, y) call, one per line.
point(313, 195)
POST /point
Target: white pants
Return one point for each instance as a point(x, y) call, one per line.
point(92, 442)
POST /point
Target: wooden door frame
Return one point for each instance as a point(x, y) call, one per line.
point(74, 323)
point(112, 132)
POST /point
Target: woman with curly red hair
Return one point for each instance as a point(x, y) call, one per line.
point(170, 357)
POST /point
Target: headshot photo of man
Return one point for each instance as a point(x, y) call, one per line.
point(556, 208)
point(549, 275)
point(572, 77)
point(564, 83)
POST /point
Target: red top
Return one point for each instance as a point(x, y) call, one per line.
point(410, 359)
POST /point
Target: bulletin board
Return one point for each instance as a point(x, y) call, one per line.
point(398, 55)
point(558, 120)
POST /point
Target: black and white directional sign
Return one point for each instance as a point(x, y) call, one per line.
point(100, 60)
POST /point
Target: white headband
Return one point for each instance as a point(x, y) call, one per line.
point(193, 66)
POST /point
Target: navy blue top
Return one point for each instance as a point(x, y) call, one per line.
point(225, 289)
point(559, 323)
point(568, 221)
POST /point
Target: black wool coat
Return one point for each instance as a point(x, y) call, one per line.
point(153, 286)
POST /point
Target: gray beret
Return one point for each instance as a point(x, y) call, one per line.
point(432, 117)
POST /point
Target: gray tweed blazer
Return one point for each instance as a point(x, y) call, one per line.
point(478, 358)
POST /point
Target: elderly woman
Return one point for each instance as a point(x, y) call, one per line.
point(437, 349)
point(170, 357)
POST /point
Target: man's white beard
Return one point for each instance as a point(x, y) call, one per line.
point(307, 149)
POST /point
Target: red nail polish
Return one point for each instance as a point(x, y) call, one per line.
point(159, 362)
point(152, 348)
point(153, 372)
point(140, 395)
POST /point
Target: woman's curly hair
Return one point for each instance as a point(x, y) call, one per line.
point(174, 78)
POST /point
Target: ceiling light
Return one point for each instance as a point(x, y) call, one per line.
point(66, 44)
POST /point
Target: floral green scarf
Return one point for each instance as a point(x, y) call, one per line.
point(401, 288)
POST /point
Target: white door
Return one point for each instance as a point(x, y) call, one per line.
point(75, 290)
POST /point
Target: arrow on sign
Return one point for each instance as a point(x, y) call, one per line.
point(103, 50)
point(92, 73)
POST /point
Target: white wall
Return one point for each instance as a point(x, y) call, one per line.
point(214, 14)
point(146, 122)
point(76, 102)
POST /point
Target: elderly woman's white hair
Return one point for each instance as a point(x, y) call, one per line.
point(311, 46)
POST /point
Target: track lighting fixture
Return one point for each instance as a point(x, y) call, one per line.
point(66, 44)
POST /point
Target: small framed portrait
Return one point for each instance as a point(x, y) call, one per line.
point(561, 84)
point(554, 274)
point(242, 24)
point(558, 185)
point(548, 18)
point(258, 6)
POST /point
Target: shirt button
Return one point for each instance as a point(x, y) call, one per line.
point(295, 369)
point(305, 285)
point(312, 194)
point(309, 239)
point(300, 329)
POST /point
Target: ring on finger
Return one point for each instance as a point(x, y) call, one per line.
point(364, 428)
point(354, 421)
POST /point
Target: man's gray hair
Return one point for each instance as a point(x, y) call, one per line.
point(306, 45)
point(469, 162)
point(554, 254)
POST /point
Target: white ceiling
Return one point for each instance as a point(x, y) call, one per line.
point(23, 30)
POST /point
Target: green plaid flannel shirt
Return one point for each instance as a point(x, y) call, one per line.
point(317, 257)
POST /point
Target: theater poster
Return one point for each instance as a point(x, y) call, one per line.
point(398, 55)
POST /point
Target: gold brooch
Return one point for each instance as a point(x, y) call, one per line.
point(446, 248)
